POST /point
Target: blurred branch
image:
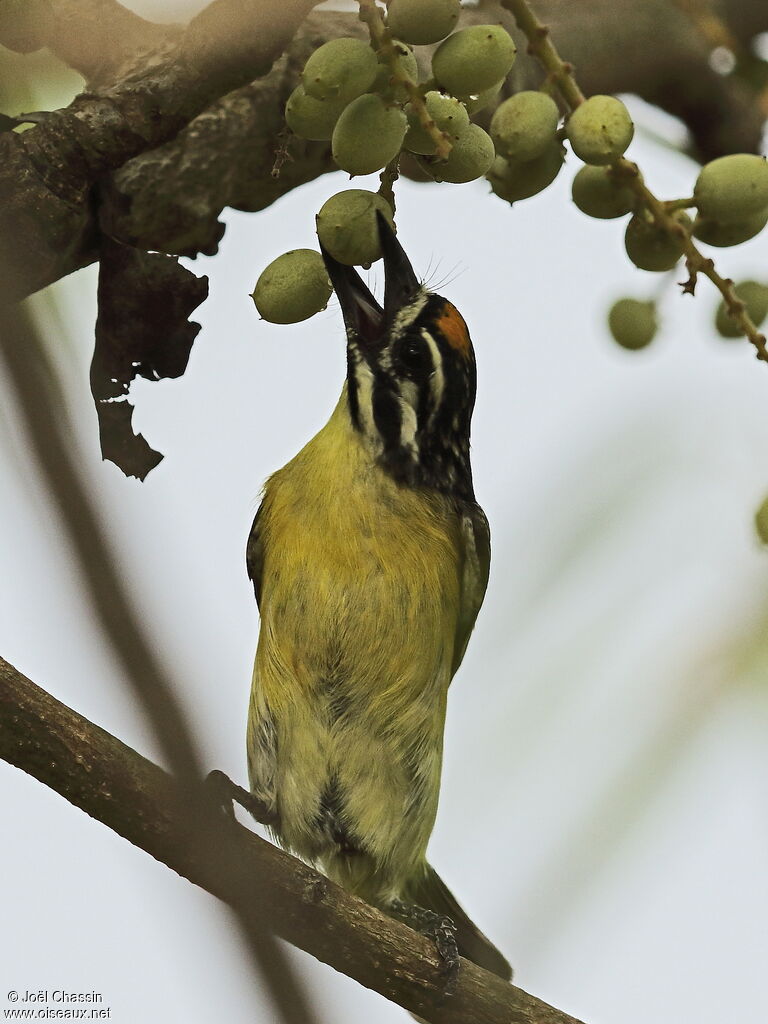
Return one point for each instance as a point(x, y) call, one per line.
point(622, 808)
point(138, 800)
point(46, 174)
point(655, 50)
point(44, 415)
point(174, 180)
point(49, 433)
point(98, 38)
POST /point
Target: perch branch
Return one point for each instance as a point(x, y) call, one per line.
point(141, 802)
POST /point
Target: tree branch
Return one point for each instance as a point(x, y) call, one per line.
point(141, 802)
point(187, 145)
point(46, 174)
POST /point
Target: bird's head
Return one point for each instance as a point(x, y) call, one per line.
point(410, 373)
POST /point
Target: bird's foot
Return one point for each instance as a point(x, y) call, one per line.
point(225, 793)
point(437, 927)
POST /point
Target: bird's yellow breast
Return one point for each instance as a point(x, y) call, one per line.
point(360, 595)
point(357, 568)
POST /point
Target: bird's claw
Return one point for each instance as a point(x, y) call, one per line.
point(225, 793)
point(443, 931)
point(437, 927)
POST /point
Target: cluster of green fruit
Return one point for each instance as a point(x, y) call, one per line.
point(525, 131)
point(370, 105)
point(368, 102)
point(633, 323)
point(371, 109)
point(521, 156)
point(731, 198)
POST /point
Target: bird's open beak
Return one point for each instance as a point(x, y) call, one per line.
point(400, 282)
point(362, 313)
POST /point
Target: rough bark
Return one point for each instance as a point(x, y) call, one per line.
point(47, 174)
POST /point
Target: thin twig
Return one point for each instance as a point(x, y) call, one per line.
point(388, 177)
point(696, 262)
point(562, 74)
point(540, 44)
point(385, 46)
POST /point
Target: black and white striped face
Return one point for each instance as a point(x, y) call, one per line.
point(410, 373)
point(411, 394)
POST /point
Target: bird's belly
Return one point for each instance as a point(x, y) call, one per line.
point(348, 704)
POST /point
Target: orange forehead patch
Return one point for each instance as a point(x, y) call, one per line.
point(451, 325)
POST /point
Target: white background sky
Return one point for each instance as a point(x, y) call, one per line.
point(603, 812)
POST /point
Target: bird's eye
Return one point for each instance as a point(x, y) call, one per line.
point(413, 355)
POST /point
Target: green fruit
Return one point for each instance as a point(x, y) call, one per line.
point(473, 59)
point(341, 69)
point(651, 247)
point(755, 297)
point(347, 226)
point(524, 125)
point(293, 287)
point(600, 129)
point(422, 21)
point(406, 60)
point(311, 118)
point(518, 179)
point(471, 156)
point(368, 134)
point(597, 193)
point(761, 522)
point(449, 115)
point(732, 188)
point(729, 232)
point(632, 323)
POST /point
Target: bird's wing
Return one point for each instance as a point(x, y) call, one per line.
point(254, 556)
point(475, 566)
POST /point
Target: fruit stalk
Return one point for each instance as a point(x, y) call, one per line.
point(561, 73)
point(540, 44)
point(381, 38)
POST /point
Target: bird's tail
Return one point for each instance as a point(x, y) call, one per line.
point(429, 891)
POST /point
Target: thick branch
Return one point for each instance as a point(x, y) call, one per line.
point(137, 799)
point(657, 51)
point(46, 174)
point(175, 180)
point(171, 198)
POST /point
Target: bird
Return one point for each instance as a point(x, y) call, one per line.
point(369, 557)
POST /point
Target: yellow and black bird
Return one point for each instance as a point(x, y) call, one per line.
point(369, 558)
